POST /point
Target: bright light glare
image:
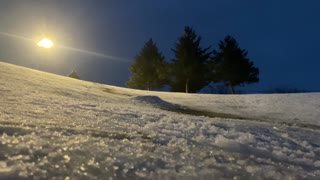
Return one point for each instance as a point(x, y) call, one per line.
point(46, 43)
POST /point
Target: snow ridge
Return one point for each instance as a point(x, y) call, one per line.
point(154, 101)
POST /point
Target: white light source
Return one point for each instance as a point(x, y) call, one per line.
point(45, 43)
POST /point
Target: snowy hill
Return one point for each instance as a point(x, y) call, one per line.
point(57, 127)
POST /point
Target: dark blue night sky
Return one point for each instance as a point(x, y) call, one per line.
point(282, 37)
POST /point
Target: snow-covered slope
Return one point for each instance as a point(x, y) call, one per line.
point(294, 109)
point(57, 127)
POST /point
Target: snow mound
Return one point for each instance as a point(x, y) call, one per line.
point(154, 101)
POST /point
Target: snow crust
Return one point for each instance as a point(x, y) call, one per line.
point(54, 127)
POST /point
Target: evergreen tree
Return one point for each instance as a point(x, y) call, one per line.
point(74, 74)
point(189, 68)
point(232, 66)
point(149, 70)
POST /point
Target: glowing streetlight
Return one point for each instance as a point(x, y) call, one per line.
point(45, 43)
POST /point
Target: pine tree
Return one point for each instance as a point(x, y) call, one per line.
point(149, 70)
point(74, 74)
point(232, 66)
point(189, 68)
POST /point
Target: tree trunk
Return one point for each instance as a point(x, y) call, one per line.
point(232, 89)
point(187, 85)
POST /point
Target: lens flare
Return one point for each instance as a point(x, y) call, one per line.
point(46, 43)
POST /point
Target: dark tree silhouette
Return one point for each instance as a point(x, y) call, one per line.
point(149, 70)
point(231, 65)
point(189, 69)
point(74, 74)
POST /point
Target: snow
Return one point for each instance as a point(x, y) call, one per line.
point(55, 127)
point(154, 101)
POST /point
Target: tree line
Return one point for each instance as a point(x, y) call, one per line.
point(193, 66)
